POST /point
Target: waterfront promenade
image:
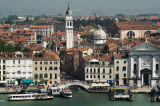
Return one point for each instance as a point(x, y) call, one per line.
point(144, 89)
point(8, 90)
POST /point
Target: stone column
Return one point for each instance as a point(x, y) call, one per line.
point(130, 82)
point(142, 79)
point(139, 83)
point(138, 67)
point(153, 67)
point(149, 79)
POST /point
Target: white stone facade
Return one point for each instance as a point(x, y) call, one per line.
point(98, 72)
point(18, 69)
point(144, 68)
point(69, 29)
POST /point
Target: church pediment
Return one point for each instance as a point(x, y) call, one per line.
point(145, 47)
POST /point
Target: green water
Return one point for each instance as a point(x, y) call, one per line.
point(83, 98)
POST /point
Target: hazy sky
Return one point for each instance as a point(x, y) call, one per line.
point(76, 5)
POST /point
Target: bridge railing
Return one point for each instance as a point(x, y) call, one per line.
point(72, 82)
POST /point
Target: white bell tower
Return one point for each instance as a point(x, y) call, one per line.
point(69, 29)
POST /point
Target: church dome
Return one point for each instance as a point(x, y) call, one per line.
point(68, 12)
point(98, 36)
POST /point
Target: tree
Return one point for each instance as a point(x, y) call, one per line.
point(12, 17)
point(87, 37)
point(2, 45)
point(27, 19)
point(17, 47)
point(9, 48)
point(93, 25)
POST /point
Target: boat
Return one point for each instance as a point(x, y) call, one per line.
point(55, 91)
point(155, 93)
point(66, 93)
point(120, 92)
point(34, 96)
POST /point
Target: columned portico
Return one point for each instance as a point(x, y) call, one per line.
point(144, 63)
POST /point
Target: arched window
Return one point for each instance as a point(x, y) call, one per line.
point(87, 70)
point(35, 76)
point(91, 70)
point(40, 76)
point(94, 76)
point(117, 76)
point(110, 70)
point(67, 23)
point(135, 66)
point(70, 23)
point(86, 76)
point(90, 76)
point(131, 34)
point(157, 66)
point(147, 33)
point(94, 70)
point(55, 68)
point(45, 75)
point(103, 76)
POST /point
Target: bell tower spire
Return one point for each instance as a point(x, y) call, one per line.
point(69, 28)
point(68, 5)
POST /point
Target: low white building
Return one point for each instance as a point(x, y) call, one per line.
point(18, 67)
point(143, 64)
point(2, 71)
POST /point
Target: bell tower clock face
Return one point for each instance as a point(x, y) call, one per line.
point(146, 62)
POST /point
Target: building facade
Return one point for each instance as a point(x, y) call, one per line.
point(42, 31)
point(144, 65)
point(2, 70)
point(18, 68)
point(98, 70)
point(46, 69)
point(120, 69)
point(124, 30)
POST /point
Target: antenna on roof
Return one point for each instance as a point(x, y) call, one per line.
point(68, 5)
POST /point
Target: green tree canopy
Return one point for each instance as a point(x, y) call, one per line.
point(12, 17)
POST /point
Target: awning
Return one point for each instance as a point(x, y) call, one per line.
point(110, 81)
point(27, 81)
point(11, 83)
point(39, 82)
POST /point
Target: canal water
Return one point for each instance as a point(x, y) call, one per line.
point(82, 98)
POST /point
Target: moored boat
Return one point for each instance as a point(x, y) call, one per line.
point(66, 93)
point(55, 91)
point(34, 96)
point(120, 92)
point(155, 94)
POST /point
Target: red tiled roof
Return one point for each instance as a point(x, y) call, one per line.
point(99, 56)
point(84, 49)
point(51, 38)
point(40, 26)
point(136, 25)
point(119, 56)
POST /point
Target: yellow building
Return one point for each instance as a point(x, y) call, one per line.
point(46, 68)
